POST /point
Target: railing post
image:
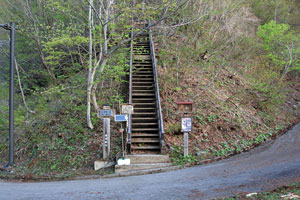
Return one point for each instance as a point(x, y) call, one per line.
point(130, 89)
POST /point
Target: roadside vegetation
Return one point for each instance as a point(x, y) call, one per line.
point(238, 61)
point(286, 192)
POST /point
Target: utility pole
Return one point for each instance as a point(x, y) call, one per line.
point(11, 27)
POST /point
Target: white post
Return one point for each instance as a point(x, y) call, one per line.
point(186, 144)
point(104, 138)
point(108, 135)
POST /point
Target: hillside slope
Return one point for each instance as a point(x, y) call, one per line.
point(220, 65)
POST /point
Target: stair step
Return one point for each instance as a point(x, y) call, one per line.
point(138, 84)
point(142, 57)
point(141, 50)
point(143, 63)
point(142, 68)
point(150, 76)
point(147, 64)
point(136, 126)
point(143, 111)
point(150, 158)
point(144, 129)
point(142, 75)
point(141, 53)
point(144, 140)
point(145, 147)
point(145, 79)
point(146, 70)
point(143, 87)
point(144, 135)
point(144, 124)
point(148, 90)
point(147, 108)
point(135, 167)
point(144, 83)
point(142, 72)
point(144, 38)
point(141, 45)
point(144, 42)
point(144, 104)
point(139, 61)
point(143, 94)
point(143, 118)
point(142, 100)
point(147, 113)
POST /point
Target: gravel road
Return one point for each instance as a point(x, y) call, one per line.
point(271, 165)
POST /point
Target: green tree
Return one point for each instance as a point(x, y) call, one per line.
point(282, 46)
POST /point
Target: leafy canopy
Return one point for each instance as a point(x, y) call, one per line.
point(282, 45)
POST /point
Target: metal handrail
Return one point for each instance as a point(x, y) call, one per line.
point(157, 95)
point(130, 85)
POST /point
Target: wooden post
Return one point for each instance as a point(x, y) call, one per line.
point(186, 144)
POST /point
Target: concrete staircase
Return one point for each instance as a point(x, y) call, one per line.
point(146, 124)
point(145, 163)
point(145, 136)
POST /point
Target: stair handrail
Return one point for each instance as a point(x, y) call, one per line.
point(157, 95)
point(129, 131)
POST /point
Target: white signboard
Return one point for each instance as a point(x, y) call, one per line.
point(127, 109)
point(186, 124)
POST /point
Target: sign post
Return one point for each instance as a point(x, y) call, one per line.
point(186, 144)
point(186, 127)
point(186, 123)
point(106, 137)
point(105, 114)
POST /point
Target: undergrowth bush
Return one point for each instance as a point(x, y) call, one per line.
point(179, 159)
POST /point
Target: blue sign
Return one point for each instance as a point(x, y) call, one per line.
point(121, 118)
point(106, 113)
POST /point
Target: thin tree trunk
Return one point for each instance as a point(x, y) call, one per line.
point(90, 71)
point(21, 89)
point(94, 97)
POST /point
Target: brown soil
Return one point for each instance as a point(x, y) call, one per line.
point(226, 115)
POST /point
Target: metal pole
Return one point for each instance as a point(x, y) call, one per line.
point(108, 135)
point(104, 138)
point(11, 95)
point(186, 144)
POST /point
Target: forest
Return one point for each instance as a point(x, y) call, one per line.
point(238, 61)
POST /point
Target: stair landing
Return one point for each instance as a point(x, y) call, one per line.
point(145, 162)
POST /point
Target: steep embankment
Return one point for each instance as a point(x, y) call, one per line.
point(220, 65)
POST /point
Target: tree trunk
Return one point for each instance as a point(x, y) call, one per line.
point(90, 71)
